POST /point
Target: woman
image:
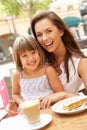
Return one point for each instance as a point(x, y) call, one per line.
point(59, 44)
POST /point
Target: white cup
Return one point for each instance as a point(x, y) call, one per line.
point(31, 110)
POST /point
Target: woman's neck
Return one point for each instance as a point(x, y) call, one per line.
point(60, 53)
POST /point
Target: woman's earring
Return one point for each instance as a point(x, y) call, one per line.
point(61, 34)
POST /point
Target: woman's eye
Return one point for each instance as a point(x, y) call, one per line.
point(49, 31)
point(39, 35)
point(33, 52)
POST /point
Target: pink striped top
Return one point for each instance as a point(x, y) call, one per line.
point(35, 87)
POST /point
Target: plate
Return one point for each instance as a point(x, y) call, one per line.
point(3, 113)
point(58, 107)
point(45, 119)
point(18, 122)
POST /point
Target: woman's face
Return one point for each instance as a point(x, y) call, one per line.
point(48, 35)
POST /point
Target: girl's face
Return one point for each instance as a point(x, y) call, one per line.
point(30, 59)
point(48, 35)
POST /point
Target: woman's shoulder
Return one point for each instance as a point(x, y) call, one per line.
point(82, 68)
point(74, 61)
point(79, 60)
point(83, 61)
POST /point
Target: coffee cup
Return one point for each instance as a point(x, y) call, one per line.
point(31, 110)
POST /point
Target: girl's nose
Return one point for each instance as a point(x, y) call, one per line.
point(30, 58)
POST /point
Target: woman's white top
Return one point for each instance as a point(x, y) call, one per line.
point(74, 80)
point(35, 87)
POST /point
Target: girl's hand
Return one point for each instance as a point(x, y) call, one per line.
point(12, 108)
point(50, 99)
point(45, 102)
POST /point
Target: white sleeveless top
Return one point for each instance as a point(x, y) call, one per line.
point(34, 87)
point(74, 80)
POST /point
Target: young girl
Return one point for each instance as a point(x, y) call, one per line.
point(33, 79)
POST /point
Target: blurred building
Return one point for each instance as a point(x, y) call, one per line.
point(6, 40)
point(72, 8)
point(66, 7)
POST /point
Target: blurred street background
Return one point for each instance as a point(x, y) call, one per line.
point(15, 17)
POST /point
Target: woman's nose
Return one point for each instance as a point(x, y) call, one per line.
point(44, 37)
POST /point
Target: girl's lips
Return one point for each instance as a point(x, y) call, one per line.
point(32, 63)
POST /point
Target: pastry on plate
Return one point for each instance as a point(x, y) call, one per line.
point(75, 103)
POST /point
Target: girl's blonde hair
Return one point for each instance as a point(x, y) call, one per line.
point(23, 43)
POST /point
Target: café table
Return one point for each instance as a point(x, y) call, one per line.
point(66, 122)
point(63, 122)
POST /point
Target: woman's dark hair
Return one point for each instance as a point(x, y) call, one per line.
point(71, 45)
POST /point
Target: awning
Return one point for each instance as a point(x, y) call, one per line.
point(72, 21)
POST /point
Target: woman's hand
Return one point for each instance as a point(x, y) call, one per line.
point(11, 108)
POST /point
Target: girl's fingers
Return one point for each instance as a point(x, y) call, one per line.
point(12, 113)
point(49, 103)
point(45, 103)
point(11, 108)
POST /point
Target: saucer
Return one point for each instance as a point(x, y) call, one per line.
point(18, 122)
point(45, 119)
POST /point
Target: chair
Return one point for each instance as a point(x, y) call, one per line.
point(11, 72)
point(3, 94)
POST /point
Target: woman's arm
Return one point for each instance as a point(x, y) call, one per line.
point(82, 71)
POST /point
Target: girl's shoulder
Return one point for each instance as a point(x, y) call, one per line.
point(49, 68)
point(16, 74)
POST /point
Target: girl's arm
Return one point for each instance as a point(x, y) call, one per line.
point(16, 93)
point(82, 71)
point(54, 80)
point(50, 99)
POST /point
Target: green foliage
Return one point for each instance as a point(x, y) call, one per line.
point(16, 7)
point(11, 7)
point(41, 5)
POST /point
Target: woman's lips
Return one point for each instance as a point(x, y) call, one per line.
point(48, 45)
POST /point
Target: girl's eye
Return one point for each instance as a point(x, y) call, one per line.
point(24, 55)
